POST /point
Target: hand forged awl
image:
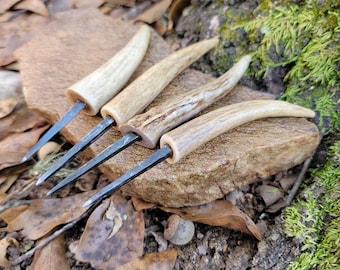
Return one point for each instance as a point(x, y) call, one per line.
point(147, 128)
point(179, 142)
point(93, 91)
point(137, 96)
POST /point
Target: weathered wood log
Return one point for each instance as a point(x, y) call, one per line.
point(80, 41)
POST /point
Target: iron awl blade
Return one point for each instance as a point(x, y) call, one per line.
point(96, 89)
point(120, 145)
point(77, 108)
point(96, 132)
point(147, 128)
point(140, 93)
point(186, 138)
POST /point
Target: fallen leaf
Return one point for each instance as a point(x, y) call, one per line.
point(15, 146)
point(26, 119)
point(140, 204)
point(7, 106)
point(3, 196)
point(113, 215)
point(16, 32)
point(10, 84)
point(7, 4)
point(18, 168)
point(175, 11)
point(35, 6)
point(52, 256)
point(4, 244)
point(95, 245)
point(88, 3)
point(43, 215)
point(218, 213)
point(9, 182)
point(153, 261)
point(12, 213)
point(127, 3)
point(154, 13)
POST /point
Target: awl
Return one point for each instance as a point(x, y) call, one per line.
point(147, 128)
point(180, 141)
point(96, 89)
point(137, 95)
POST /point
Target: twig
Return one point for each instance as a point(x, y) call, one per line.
point(10, 200)
point(302, 173)
point(48, 239)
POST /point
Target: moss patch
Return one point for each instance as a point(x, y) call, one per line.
point(315, 217)
point(301, 36)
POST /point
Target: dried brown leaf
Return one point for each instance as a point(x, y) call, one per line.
point(7, 106)
point(15, 146)
point(16, 32)
point(88, 3)
point(153, 261)
point(35, 6)
point(43, 215)
point(52, 256)
point(12, 213)
point(26, 119)
point(105, 252)
point(4, 244)
point(127, 3)
point(7, 4)
point(3, 195)
point(9, 182)
point(140, 204)
point(175, 11)
point(218, 213)
point(10, 84)
point(155, 12)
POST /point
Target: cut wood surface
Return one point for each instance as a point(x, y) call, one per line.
point(67, 50)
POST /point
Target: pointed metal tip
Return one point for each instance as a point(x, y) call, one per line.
point(40, 181)
point(49, 192)
point(25, 158)
point(77, 107)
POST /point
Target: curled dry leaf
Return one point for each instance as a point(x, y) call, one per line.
point(155, 12)
point(52, 256)
point(218, 213)
point(7, 106)
point(4, 244)
point(43, 215)
point(105, 252)
point(35, 6)
point(9, 182)
point(175, 11)
point(7, 4)
point(153, 261)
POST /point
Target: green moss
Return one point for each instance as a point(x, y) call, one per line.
point(302, 36)
point(314, 220)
